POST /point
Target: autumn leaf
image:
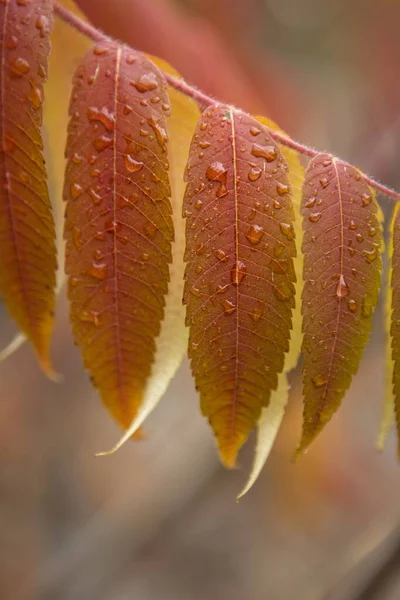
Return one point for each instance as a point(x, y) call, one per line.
point(342, 269)
point(239, 284)
point(118, 220)
point(395, 323)
point(272, 416)
point(171, 344)
point(388, 418)
point(27, 236)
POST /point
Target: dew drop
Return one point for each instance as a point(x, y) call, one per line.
point(311, 202)
point(324, 182)
point(42, 24)
point(132, 165)
point(195, 291)
point(372, 231)
point(254, 174)
point(221, 255)
point(327, 162)
point(353, 225)
point(269, 153)
point(255, 131)
point(282, 189)
point(222, 288)
point(198, 204)
point(159, 130)
point(100, 50)
point(342, 288)
point(315, 217)
point(146, 83)
point(19, 67)
point(366, 199)
point(238, 272)
point(319, 380)
point(76, 190)
point(90, 317)
point(352, 305)
point(255, 234)
point(103, 116)
point(35, 96)
point(102, 142)
point(370, 255)
point(229, 307)
point(287, 230)
point(204, 144)
point(76, 158)
point(98, 271)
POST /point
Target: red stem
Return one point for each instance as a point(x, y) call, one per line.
point(179, 84)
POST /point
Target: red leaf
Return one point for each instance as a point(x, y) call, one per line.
point(239, 278)
point(27, 248)
point(118, 221)
point(342, 269)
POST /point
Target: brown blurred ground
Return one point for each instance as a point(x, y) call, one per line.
point(159, 520)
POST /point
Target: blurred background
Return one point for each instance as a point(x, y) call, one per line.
point(159, 520)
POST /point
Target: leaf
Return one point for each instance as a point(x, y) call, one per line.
point(342, 269)
point(388, 418)
point(62, 66)
point(27, 247)
point(395, 322)
point(118, 220)
point(272, 416)
point(239, 287)
point(171, 344)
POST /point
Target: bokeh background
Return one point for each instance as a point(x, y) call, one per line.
point(159, 520)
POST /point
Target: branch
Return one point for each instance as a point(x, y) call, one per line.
point(96, 35)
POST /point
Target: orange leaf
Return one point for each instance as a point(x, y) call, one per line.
point(27, 236)
point(342, 270)
point(239, 278)
point(118, 220)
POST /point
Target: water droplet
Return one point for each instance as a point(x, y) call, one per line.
point(193, 346)
point(254, 174)
point(269, 153)
point(222, 288)
point(195, 291)
point(93, 192)
point(90, 317)
point(146, 83)
point(102, 142)
point(35, 96)
point(238, 272)
point(366, 199)
point(282, 189)
point(100, 50)
point(131, 164)
point(359, 237)
point(203, 126)
point(352, 305)
point(19, 67)
point(42, 24)
point(324, 182)
point(204, 144)
point(98, 271)
point(311, 202)
point(319, 380)
point(315, 217)
point(277, 205)
point(370, 255)
point(76, 190)
point(342, 288)
point(255, 131)
point(217, 172)
point(159, 130)
point(352, 225)
point(76, 158)
point(198, 204)
point(371, 231)
point(200, 249)
point(254, 234)
point(229, 307)
point(327, 162)
point(221, 255)
point(103, 116)
point(287, 230)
